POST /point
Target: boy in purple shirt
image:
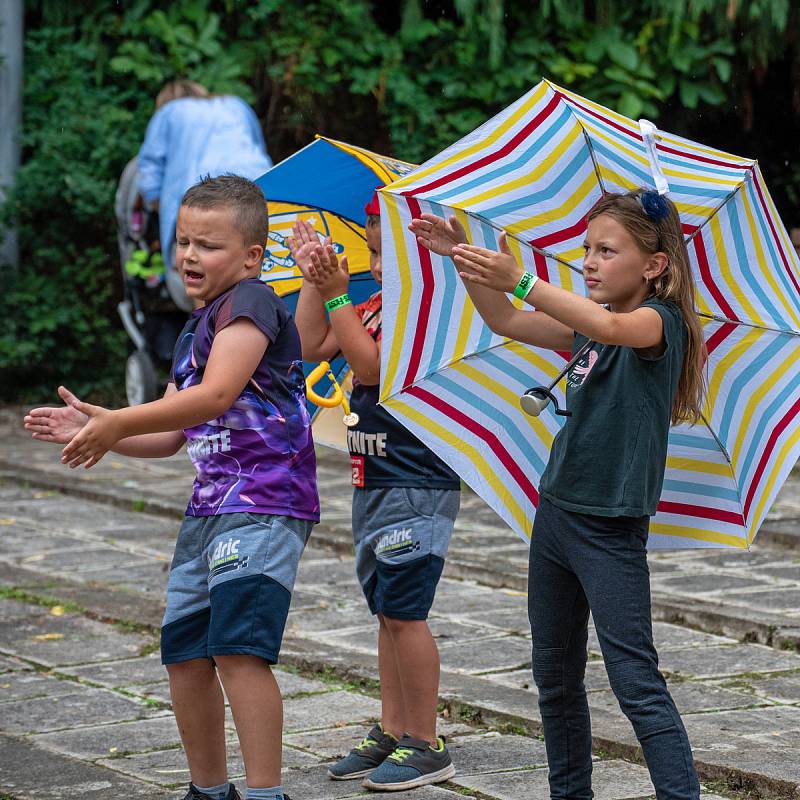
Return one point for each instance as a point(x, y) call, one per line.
point(237, 398)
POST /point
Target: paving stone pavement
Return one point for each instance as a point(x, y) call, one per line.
point(84, 703)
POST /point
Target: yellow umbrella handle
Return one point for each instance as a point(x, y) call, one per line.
point(325, 402)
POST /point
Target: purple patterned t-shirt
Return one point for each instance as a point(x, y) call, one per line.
point(259, 455)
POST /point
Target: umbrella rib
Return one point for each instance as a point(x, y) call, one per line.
point(591, 154)
point(708, 219)
point(501, 229)
point(725, 320)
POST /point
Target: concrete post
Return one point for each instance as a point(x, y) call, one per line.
point(10, 114)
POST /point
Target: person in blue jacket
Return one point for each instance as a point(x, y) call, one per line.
point(195, 134)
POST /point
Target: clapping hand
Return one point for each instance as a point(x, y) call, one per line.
point(100, 433)
point(439, 235)
point(496, 270)
point(330, 275)
point(58, 425)
point(302, 242)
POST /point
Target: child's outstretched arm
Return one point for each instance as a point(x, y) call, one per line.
point(331, 280)
point(640, 328)
point(236, 352)
point(316, 335)
point(448, 237)
point(60, 425)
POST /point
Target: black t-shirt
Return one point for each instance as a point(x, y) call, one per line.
point(610, 456)
point(383, 452)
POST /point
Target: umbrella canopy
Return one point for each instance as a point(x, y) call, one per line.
point(327, 183)
point(535, 170)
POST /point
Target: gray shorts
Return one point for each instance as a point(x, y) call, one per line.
point(230, 585)
point(401, 537)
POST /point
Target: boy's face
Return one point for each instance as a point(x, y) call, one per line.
point(374, 245)
point(211, 255)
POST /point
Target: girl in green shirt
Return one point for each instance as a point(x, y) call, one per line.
point(641, 370)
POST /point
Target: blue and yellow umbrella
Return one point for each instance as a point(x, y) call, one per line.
point(327, 184)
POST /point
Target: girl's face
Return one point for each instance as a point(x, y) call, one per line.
point(615, 269)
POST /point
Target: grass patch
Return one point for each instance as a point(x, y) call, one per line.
point(42, 600)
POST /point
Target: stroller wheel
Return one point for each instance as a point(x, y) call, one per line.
point(141, 380)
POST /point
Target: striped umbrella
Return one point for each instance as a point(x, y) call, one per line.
point(327, 183)
point(535, 170)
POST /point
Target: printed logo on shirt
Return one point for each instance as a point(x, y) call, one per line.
point(368, 444)
point(201, 446)
point(578, 374)
point(357, 467)
point(399, 542)
point(226, 558)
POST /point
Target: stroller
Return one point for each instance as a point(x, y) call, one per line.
point(155, 306)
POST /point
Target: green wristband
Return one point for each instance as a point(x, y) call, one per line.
point(337, 302)
point(525, 284)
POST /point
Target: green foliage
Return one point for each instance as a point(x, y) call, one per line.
point(405, 78)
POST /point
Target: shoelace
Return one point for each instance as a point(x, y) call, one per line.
point(365, 742)
point(400, 754)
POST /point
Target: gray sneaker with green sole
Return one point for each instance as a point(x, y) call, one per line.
point(368, 754)
point(413, 763)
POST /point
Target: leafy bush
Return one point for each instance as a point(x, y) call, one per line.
point(404, 78)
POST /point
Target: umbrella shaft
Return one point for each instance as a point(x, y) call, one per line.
point(572, 362)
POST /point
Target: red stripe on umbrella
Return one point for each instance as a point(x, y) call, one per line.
point(701, 512)
point(519, 137)
point(561, 236)
point(719, 336)
point(765, 456)
point(775, 235)
point(425, 303)
point(487, 436)
point(708, 280)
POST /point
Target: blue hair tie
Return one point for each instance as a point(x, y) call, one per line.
point(654, 205)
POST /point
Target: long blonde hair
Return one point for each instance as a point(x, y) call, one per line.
point(675, 283)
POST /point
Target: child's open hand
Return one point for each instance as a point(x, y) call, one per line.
point(95, 439)
point(57, 425)
point(329, 275)
point(499, 271)
point(437, 234)
point(302, 242)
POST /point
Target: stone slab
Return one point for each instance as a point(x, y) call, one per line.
point(169, 767)
point(331, 617)
point(506, 653)
point(492, 752)
point(25, 685)
point(466, 599)
point(782, 689)
point(328, 710)
point(27, 538)
point(25, 769)
point(670, 637)
point(710, 662)
point(708, 583)
point(611, 780)
point(83, 706)
point(67, 640)
point(292, 684)
point(125, 672)
point(157, 733)
point(776, 601)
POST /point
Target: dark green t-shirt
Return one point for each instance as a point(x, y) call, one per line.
point(610, 456)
